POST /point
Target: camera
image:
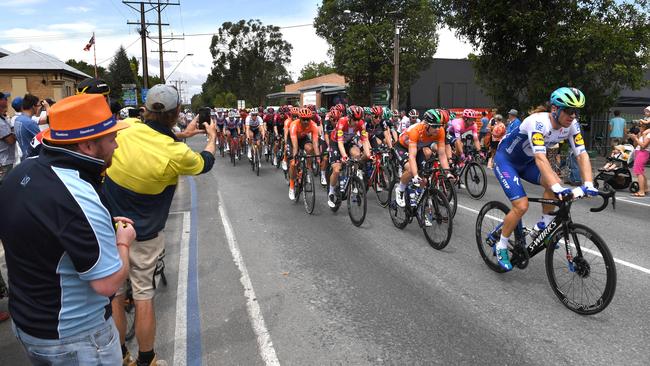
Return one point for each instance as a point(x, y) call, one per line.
point(204, 116)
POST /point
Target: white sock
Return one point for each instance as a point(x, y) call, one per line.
point(503, 243)
point(322, 174)
point(332, 190)
point(401, 187)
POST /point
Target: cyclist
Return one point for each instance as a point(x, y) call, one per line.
point(522, 155)
point(292, 116)
point(391, 121)
point(303, 133)
point(414, 148)
point(232, 127)
point(378, 129)
point(255, 131)
point(461, 126)
point(347, 130)
point(220, 120)
point(406, 122)
point(331, 119)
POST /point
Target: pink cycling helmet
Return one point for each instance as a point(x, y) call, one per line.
point(469, 113)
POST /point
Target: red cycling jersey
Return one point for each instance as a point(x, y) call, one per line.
point(346, 130)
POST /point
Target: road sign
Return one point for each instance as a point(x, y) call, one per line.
point(241, 104)
point(129, 95)
point(144, 95)
point(381, 95)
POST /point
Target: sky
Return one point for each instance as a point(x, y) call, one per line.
point(62, 28)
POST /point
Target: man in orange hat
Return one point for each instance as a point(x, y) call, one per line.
point(141, 184)
point(65, 257)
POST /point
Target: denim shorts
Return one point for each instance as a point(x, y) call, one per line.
point(98, 346)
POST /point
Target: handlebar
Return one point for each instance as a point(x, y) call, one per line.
point(606, 197)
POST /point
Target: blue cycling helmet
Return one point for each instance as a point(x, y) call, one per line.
point(568, 98)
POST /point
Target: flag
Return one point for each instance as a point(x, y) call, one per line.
point(90, 43)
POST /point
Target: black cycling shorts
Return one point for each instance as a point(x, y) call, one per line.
point(403, 155)
point(335, 154)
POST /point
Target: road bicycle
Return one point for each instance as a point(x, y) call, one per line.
point(221, 143)
point(380, 176)
point(428, 205)
point(304, 182)
point(471, 172)
point(234, 150)
point(256, 158)
point(440, 181)
point(579, 266)
point(129, 303)
point(352, 189)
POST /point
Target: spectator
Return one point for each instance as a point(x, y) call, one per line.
point(485, 126)
point(25, 127)
point(641, 155)
point(497, 132)
point(140, 184)
point(7, 139)
point(64, 256)
point(513, 120)
point(616, 128)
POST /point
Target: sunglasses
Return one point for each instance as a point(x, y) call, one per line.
point(571, 111)
point(305, 119)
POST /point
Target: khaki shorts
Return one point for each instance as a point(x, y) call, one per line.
point(143, 256)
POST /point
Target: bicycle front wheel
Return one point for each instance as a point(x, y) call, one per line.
point(382, 185)
point(398, 215)
point(488, 232)
point(587, 284)
point(475, 180)
point(437, 219)
point(357, 201)
point(309, 191)
point(447, 187)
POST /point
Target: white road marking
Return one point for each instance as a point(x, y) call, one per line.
point(267, 352)
point(630, 201)
point(180, 336)
point(619, 261)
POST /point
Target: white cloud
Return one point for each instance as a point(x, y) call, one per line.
point(449, 46)
point(20, 3)
point(77, 9)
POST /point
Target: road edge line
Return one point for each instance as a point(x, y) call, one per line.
point(180, 335)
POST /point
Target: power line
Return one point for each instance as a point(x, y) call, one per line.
point(125, 48)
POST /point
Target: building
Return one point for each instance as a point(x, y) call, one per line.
point(323, 91)
point(37, 73)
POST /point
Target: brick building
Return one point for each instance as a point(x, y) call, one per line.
point(321, 91)
point(37, 73)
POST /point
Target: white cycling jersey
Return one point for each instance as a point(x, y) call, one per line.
point(405, 123)
point(535, 134)
point(254, 122)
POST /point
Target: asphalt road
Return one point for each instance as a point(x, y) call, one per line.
point(261, 282)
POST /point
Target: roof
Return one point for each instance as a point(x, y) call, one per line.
point(283, 94)
point(334, 90)
point(4, 52)
point(318, 87)
point(31, 59)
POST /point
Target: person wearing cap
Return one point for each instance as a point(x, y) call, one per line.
point(26, 124)
point(7, 138)
point(65, 256)
point(140, 184)
point(513, 120)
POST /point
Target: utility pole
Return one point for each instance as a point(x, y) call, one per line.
point(396, 68)
point(158, 6)
point(179, 87)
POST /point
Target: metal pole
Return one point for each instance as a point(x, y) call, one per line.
point(95, 54)
point(160, 45)
point(396, 68)
point(143, 36)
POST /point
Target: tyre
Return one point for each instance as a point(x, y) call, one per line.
point(258, 158)
point(634, 187)
point(398, 215)
point(357, 201)
point(437, 219)
point(447, 187)
point(588, 286)
point(488, 232)
point(382, 186)
point(475, 180)
point(309, 191)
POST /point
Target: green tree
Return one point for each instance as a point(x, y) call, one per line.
point(314, 70)
point(225, 99)
point(527, 49)
point(120, 73)
point(87, 68)
point(362, 42)
point(249, 61)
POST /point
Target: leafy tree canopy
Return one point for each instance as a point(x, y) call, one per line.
point(314, 70)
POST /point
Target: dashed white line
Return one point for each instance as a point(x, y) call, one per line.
point(633, 202)
point(180, 335)
point(619, 261)
point(267, 352)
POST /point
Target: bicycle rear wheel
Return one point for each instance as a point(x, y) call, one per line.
point(447, 187)
point(382, 185)
point(309, 191)
point(488, 232)
point(587, 285)
point(258, 160)
point(357, 203)
point(475, 180)
point(398, 215)
point(437, 218)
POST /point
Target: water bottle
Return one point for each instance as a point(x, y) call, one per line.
point(342, 182)
point(418, 193)
point(412, 197)
point(536, 230)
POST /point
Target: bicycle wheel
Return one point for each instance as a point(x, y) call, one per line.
point(258, 159)
point(398, 215)
point(475, 180)
point(381, 186)
point(221, 148)
point(437, 218)
point(309, 191)
point(488, 232)
point(357, 201)
point(588, 285)
point(447, 187)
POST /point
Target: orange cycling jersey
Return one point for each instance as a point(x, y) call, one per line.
point(288, 122)
point(300, 131)
point(418, 133)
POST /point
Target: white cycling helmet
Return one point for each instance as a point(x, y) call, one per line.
point(124, 112)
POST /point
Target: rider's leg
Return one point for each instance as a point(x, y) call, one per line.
point(334, 177)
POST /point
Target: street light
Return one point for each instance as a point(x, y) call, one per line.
point(179, 64)
point(394, 61)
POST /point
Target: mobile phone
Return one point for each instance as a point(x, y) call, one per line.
point(204, 116)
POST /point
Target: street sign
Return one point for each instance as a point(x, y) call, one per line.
point(381, 95)
point(241, 104)
point(129, 95)
point(144, 95)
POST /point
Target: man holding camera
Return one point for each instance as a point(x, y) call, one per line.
point(140, 184)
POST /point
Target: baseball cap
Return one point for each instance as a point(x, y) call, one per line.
point(4, 95)
point(162, 98)
point(513, 112)
point(17, 104)
point(93, 86)
point(79, 118)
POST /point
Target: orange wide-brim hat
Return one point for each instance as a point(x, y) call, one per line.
point(80, 118)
